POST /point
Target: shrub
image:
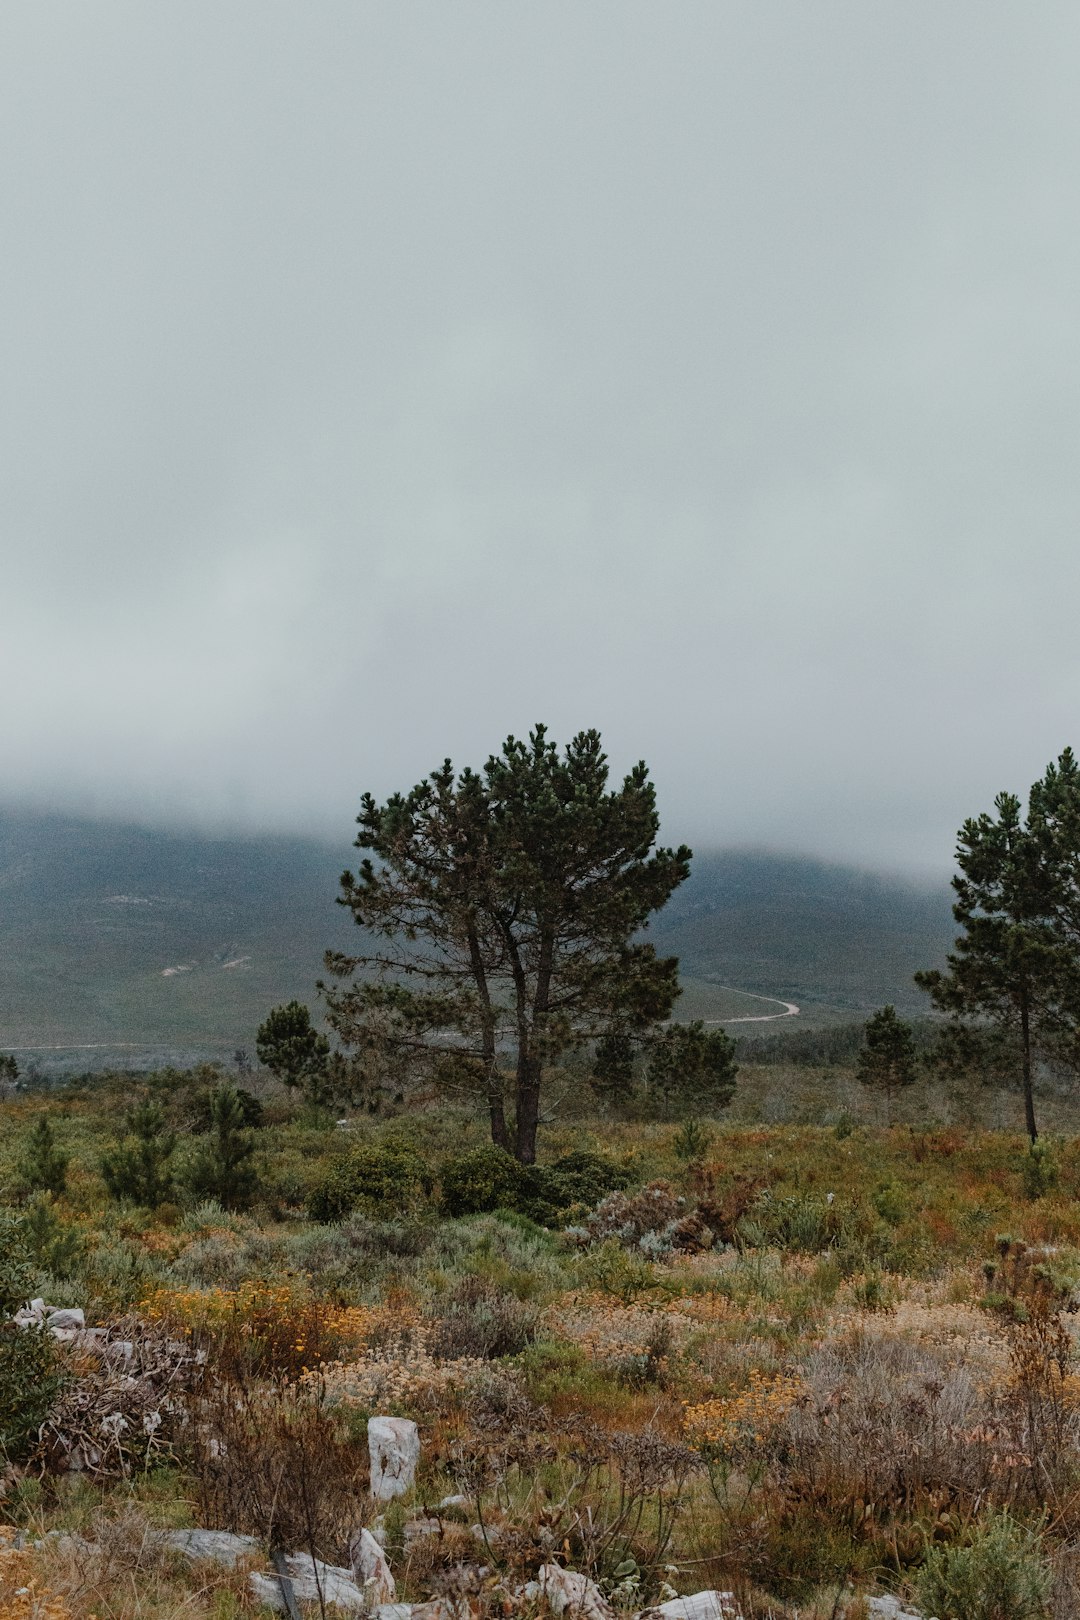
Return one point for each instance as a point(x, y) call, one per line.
point(252, 1112)
point(272, 1460)
point(482, 1180)
point(480, 1320)
point(547, 1193)
point(138, 1170)
point(29, 1383)
point(375, 1178)
point(996, 1573)
point(654, 1221)
point(1040, 1171)
point(44, 1167)
point(16, 1272)
point(223, 1169)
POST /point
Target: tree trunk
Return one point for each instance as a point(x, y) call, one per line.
point(1025, 1055)
point(528, 1107)
point(500, 1133)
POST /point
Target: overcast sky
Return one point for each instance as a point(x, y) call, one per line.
point(378, 379)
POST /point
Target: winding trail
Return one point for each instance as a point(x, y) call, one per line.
point(86, 1046)
point(790, 1009)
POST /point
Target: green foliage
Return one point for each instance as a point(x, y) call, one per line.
point(139, 1169)
point(252, 1110)
point(1040, 1170)
point(510, 899)
point(55, 1247)
point(29, 1383)
point(887, 1058)
point(1017, 963)
point(44, 1167)
point(484, 1179)
point(9, 1069)
point(487, 1178)
point(375, 1178)
point(292, 1049)
point(996, 1573)
point(612, 1074)
point(16, 1271)
point(692, 1140)
point(617, 1271)
point(890, 1201)
point(693, 1067)
point(222, 1168)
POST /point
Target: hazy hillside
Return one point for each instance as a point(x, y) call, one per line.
point(115, 936)
point(120, 934)
point(806, 931)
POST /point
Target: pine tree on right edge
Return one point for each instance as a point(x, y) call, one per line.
point(887, 1058)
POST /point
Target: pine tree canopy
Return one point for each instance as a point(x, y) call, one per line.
point(1016, 966)
point(506, 906)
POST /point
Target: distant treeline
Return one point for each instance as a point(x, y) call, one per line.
point(816, 1048)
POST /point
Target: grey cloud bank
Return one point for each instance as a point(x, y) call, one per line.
point(377, 380)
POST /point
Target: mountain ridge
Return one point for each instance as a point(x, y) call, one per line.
point(124, 936)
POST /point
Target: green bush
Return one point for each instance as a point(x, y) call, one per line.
point(1040, 1171)
point(29, 1383)
point(222, 1169)
point(578, 1181)
point(890, 1202)
point(996, 1573)
point(375, 1178)
point(53, 1246)
point(44, 1166)
point(16, 1271)
point(482, 1180)
point(252, 1112)
point(138, 1169)
point(692, 1141)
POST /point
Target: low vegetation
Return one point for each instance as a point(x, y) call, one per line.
point(804, 1357)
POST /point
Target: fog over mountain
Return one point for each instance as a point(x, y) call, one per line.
point(378, 380)
point(125, 943)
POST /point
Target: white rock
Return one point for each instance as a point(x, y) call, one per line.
point(888, 1607)
point(370, 1569)
point(569, 1592)
point(394, 1611)
point(217, 1546)
point(60, 1320)
point(698, 1606)
point(309, 1576)
point(394, 1445)
point(454, 1501)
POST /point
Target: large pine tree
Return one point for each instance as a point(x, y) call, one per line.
point(1016, 966)
point(506, 905)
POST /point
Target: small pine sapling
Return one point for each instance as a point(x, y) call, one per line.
point(44, 1167)
point(887, 1058)
point(222, 1169)
point(692, 1069)
point(138, 1170)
